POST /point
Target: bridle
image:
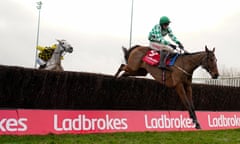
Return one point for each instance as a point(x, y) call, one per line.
point(203, 62)
point(63, 47)
point(61, 50)
point(181, 69)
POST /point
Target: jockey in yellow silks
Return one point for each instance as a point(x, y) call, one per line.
point(45, 53)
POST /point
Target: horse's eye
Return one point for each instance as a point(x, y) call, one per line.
point(214, 60)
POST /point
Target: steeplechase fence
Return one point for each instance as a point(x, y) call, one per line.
point(39, 102)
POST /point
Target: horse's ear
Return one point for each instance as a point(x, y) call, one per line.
point(213, 50)
point(206, 49)
point(58, 40)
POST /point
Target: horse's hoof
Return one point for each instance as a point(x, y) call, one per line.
point(198, 126)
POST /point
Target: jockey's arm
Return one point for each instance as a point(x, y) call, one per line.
point(156, 36)
point(40, 48)
point(54, 46)
point(172, 36)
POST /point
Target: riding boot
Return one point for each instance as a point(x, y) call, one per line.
point(162, 64)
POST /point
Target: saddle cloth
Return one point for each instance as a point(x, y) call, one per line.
point(152, 57)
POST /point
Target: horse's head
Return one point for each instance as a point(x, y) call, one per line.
point(65, 46)
point(210, 63)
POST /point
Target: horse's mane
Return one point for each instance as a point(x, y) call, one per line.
point(194, 53)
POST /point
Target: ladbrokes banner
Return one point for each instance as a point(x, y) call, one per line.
point(29, 122)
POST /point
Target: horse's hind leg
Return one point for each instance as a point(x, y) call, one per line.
point(121, 68)
point(124, 68)
point(129, 72)
point(139, 72)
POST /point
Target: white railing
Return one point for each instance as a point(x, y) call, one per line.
point(223, 81)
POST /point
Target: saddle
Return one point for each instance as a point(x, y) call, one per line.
point(152, 57)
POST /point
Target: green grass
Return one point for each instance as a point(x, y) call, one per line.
point(196, 137)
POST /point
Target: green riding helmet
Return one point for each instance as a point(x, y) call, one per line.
point(164, 20)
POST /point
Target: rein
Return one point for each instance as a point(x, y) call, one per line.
point(61, 51)
point(204, 58)
point(181, 69)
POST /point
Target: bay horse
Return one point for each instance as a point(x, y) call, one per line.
point(54, 63)
point(178, 76)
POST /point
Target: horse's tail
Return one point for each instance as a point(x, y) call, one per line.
point(127, 52)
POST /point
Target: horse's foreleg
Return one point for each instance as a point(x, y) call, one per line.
point(188, 89)
point(182, 94)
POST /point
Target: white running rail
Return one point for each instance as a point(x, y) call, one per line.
point(223, 81)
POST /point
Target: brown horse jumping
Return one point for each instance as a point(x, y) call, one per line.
point(178, 76)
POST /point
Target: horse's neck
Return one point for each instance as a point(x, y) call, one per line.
point(56, 57)
point(193, 61)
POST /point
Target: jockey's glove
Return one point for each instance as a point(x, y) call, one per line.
point(173, 46)
point(180, 45)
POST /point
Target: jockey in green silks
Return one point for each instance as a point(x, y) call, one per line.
point(157, 41)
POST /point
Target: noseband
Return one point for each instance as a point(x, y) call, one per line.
point(203, 62)
point(64, 49)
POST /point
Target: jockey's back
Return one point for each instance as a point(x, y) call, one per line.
point(45, 52)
